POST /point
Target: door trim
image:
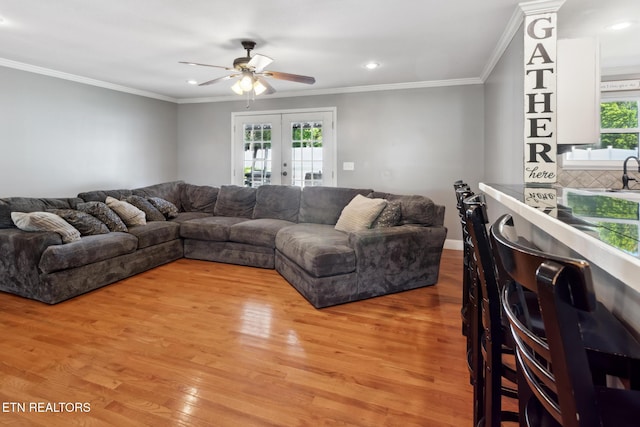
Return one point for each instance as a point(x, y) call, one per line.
point(334, 131)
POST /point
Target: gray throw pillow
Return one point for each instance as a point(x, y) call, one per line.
point(86, 224)
point(151, 212)
point(168, 209)
point(101, 211)
point(389, 217)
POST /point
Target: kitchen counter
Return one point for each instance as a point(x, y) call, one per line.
point(599, 226)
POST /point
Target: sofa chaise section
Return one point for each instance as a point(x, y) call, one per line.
point(331, 267)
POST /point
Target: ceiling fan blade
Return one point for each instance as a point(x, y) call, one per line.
point(219, 79)
point(291, 77)
point(259, 62)
point(266, 84)
point(206, 65)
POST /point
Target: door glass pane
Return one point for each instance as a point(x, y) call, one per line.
point(257, 154)
point(306, 153)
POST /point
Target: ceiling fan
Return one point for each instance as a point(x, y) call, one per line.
point(251, 72)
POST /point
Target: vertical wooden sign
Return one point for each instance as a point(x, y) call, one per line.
point(540, 145)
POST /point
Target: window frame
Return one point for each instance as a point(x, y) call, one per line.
point(612, 96)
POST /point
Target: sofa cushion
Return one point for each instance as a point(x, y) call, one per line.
point(170, 191)
point(319, 249)
point(166, 208)
point(214, 228)
point(129, 214)
point(45, 221)
point(360, 213)
point(155, 232)
point(30, 204)
point(188, 216)
point(101, 195)
point(86, 224)
point(323, 205)
point(277, 202)
point(151, 213)
point(199, 198)
point(259, 232)
point(235, 201)
point(415, 209)
point(104, 213)
point(87, 250)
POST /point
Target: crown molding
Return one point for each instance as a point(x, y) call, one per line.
point(79, 79)
point(337, 91)
point(507, 35)
point(540, 6)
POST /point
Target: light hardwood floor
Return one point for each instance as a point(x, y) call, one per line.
point(196, 343)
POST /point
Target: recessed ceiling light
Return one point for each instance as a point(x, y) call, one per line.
point(192, 82)
point(620, 26)
point(371, 65)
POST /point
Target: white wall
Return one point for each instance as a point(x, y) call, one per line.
point(415, 141)
point(60, 137)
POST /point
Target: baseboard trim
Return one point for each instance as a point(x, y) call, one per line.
point(453, 244)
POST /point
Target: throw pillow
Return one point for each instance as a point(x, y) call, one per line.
point(45, 221)
point(127, 212)
point(86, 224)
point(359, 213)
point(104, 214)
point(151, 213)
point(168, 209)
point(389, 217)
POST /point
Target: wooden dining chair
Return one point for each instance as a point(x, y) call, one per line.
point(462, 191)
point(555, 376)
point(469, 312)
point(497, 362)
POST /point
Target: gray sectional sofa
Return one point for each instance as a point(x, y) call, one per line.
point(287, 228)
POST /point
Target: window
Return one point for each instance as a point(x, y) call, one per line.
point(619, 130)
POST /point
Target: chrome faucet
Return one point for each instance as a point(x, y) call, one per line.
point(625, 177)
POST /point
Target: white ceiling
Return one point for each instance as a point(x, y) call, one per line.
point(137, 43)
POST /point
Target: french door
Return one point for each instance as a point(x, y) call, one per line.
point(294, 148)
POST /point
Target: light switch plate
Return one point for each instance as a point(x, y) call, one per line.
point(348, 166)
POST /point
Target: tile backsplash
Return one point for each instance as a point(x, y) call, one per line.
point(595, 179)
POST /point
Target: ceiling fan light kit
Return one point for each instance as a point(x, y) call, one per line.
point(251, 72)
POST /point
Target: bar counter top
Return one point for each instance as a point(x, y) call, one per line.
point(601, 226)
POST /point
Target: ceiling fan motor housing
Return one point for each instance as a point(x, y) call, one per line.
point(240, 64)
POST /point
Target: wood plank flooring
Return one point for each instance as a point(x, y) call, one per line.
point(196, 343)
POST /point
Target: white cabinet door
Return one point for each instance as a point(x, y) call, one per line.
point(578, 88)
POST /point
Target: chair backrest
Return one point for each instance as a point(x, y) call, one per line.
point(555, 367)
point(483, 260)
point(462, 191)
